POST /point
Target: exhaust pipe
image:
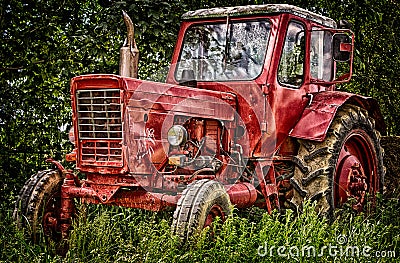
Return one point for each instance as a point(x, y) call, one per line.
point(129, 53)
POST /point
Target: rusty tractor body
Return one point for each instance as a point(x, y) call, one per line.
point(248, 116)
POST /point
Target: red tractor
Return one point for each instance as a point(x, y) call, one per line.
point(248, 116)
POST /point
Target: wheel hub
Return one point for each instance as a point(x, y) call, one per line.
point(352, 181)
point(215, 211)
point(50, 224)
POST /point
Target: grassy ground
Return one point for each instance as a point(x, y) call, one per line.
point(111, 234)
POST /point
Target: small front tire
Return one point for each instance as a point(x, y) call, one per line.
point(200, 204)
point(38, 205)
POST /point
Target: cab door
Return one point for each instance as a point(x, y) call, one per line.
point(286, 87)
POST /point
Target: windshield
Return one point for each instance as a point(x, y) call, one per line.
point(213, 52)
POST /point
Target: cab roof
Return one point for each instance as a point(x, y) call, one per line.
point(247, 10)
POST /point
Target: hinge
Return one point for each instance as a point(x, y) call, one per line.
point(265, 88)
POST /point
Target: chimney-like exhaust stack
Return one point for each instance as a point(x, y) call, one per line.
point(129, 53)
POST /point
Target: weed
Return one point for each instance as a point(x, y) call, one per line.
point(114, 234)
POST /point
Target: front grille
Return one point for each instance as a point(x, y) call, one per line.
point(107, 153)
point(100, 126)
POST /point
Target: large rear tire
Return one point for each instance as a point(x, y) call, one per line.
point(347, 164)
point(201, 202)
point(38, 204)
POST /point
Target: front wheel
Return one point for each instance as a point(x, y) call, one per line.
point(201, 202)
point(347, 164)
point(38, 205)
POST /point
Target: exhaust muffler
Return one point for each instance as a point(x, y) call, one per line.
point(129, 53)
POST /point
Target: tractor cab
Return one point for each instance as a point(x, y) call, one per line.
point(260, 44)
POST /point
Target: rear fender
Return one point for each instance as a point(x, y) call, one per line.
point(318, 115)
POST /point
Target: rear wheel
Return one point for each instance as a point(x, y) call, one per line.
point(38, 205)
point(201, 203)
point(347, 164)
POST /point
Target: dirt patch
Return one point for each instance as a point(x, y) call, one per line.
point(391, 145)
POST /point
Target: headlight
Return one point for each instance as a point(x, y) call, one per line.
point(71, 135)
point(177, 135)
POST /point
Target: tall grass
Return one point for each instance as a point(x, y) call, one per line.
point(112, 234)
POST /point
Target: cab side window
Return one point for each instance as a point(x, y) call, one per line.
point(291, 66)
point(321, 62)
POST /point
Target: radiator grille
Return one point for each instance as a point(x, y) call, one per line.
point(100, 126)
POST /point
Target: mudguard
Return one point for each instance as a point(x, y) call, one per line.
point(318, 115)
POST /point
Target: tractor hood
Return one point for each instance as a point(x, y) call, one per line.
point(121, 123)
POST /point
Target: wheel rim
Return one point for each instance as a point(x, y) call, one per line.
point(215, 211)
point(356, 171)
point(51, 216)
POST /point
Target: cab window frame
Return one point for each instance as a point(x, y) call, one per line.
point(328, 64)
point(265, 20)
point(303, 45)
